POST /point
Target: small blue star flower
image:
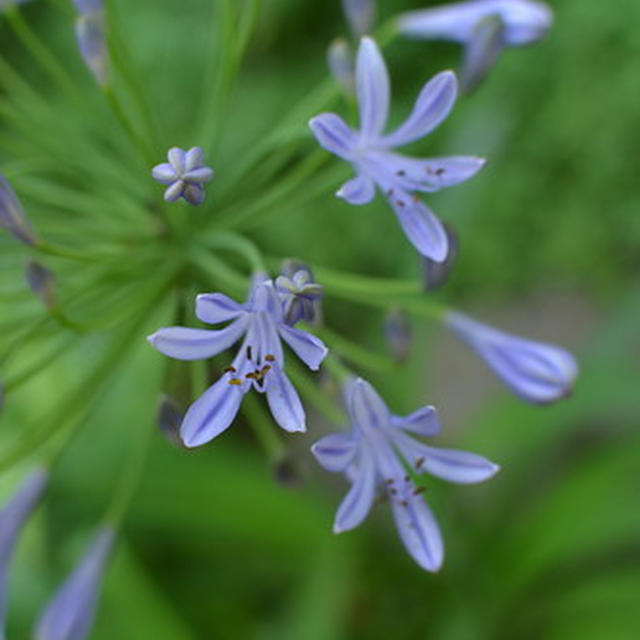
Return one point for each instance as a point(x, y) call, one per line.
point(539, 373)
point(373, 456)
point(185, 174)
point(371, 153)
point(484, 27)
point(259, 363)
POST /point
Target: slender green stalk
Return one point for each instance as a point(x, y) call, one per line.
point(228, 241)
point(216, 272)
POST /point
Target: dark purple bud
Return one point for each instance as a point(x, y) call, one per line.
point(299, 293)
point(42, 282)
point(436, 274)
point(12, 216)
point(287, 473)
point(169, 418)
point(397, 330)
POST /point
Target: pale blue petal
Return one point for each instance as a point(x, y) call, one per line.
point(423, 229)
point(200, 175)
point(174, 191)
point(372, 89)
point(193, 193)
point(461, 467)
point(424, 422)
point(164, 173)
point(367, 409)
point(311, 350)
point(193, 159)
point(333, 134)
point(432, 106)
point(184, 343)
point(284, 402)
point(482, 51)
point(357, 503)
point(177, 159)
point(211, 413)
point(359, 190)
point(335, 452)
point(451, 170)
point(213, 308)
point(419, 532)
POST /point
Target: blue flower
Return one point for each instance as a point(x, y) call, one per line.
point(539, 373)
point(299, 293)
point(370, 455)
point(90, 35)
point(186, 175)
point(70, 613)
point(12, 518)
point(12, 216)
point(485, 27)
point(360, 15)
point(371, 153)
point(259, 363)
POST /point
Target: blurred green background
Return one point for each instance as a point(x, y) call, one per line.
point(214, 546)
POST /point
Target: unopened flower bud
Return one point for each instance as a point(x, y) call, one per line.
point(340, 61)
point(42, 282)
point(299, 293)
point(539, 373)
point(169, 418)
point(360, 15)
point(90, 34)
point(435, 274)
point(397, 330)
point(12, 216)
point(287, 473)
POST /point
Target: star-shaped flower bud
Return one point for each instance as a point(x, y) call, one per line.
point(373, 455)
point(299, 293)
point(185, 174)
point(258, 365)
point(484, 27)
point(371, 153)
point(539, 373)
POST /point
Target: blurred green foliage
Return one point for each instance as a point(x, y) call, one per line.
point(213, 547)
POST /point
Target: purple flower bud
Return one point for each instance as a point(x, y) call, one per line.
point(42, 282)
point(69, 615)
point(435, 274)
point(485, 44)
point(360, 15)
point(12, 216)
point(169, 418)
point(539, 373)
point(12, 518)
point(92, 44)
point(341, 65)
point(397, 330)
point(299, 293)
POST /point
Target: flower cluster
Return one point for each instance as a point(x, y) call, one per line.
point(177, 252)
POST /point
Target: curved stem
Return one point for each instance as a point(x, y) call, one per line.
point(226, 240)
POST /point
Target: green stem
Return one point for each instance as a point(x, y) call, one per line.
point(226, 240)
point(220, 273)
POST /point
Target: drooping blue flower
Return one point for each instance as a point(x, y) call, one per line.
point(12, 518)
point(539, 373)
point(259, 363)
point(299, 292)
point(185, 173)
point(13, 219)
point(360, 15)
point(372, 455)
point(376, 164)
point(70, 613)
point(91, 38)
point(484, 27)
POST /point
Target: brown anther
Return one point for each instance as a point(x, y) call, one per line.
point(393, 491)
point(418, 490)
point(265, 370)
point(415, 199)
point(404, 503)
point(419, 463)
point(401, 173)
point(251, 376)
point(440, 171)
point(249, 352)
point(389, 480)
point(270, 358)
point(407, 478)
point(229, 370)
point(400, 203)
point(235, 382)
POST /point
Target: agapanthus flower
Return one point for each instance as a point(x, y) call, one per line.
point(13, 219)
point(360, 15)
point(376, 164)
point(299, 292)
point(185, 174)
point(90, 34)
point(484, 27)
point(259, 363)
point(373, 456)
point(12, 518)
point(70, 613)
point(539, 373)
